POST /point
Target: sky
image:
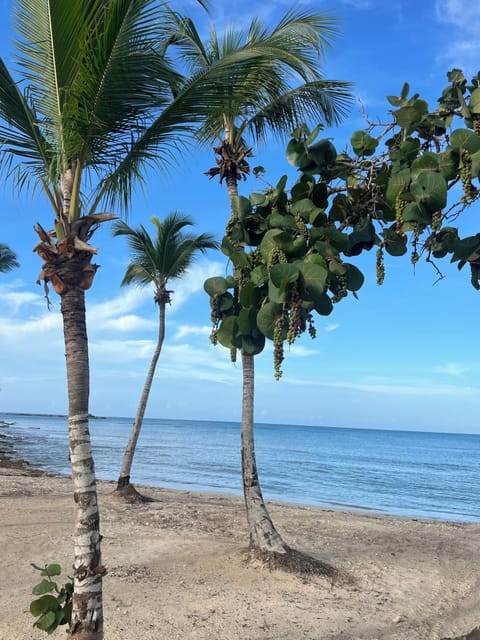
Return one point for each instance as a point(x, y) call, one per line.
point(403, 356)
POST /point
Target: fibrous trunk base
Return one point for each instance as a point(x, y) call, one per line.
point(297, 562)
point(127, 492)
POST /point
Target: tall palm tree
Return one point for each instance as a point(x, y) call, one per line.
point(8, 260)
point(91, 103)
point(156, 261)
point(283, 90)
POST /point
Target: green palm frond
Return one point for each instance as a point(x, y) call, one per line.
point(8, 259)
point(275, 81)
point(166, 255)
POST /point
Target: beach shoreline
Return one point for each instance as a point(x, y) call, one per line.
point(178, 567)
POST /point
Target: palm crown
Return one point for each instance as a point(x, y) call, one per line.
point(166, 256)
point(283, 87)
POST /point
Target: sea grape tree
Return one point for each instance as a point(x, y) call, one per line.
point(402, 184)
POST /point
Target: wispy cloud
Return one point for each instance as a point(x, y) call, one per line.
point(185, 330)
point(455, 369)
point(462, 48)
point(332, 326)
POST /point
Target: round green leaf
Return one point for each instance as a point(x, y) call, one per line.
point(258, 199)
point(297, 155)
point(430, 191)
point(241, 206)
point(227, 332)
point(43, 604)
point(354, 278)
point(428, 163)
point(475, 101)
point(465, 139)
point(323, 305)
point(47, 622)
point(268, 243)
point(398, 183)
point(267, 317)
point(245, 324)
point(448, 163)
point(45, 586)
point(226, 302)
point(363, 144)
point(313, 280)
point(322, 153)
point(253, 345)
point(215, 286)
point(283, 274)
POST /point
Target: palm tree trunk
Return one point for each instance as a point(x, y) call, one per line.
point(87, 613)
point(263, 535)
point(123, 484)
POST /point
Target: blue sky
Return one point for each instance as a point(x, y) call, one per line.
point(404, 355)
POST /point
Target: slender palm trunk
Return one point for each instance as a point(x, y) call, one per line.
point(124, 479)
point(263, 535)
point(87, 614)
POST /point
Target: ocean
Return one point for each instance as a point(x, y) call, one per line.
point(406, 473)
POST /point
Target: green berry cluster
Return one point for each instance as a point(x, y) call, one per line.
point(311, 326)
point(399, 207)
point(415, 257)
point(470, 192)
point(276, 256)
point(340, 290)
point(278, 352)
point(380, 265)
point(300, 224)
point(437, 219)
point(295, 327)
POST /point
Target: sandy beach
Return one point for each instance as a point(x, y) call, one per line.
point(178, 568)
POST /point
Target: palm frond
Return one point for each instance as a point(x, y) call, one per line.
point(8, 259)
point(167, 254)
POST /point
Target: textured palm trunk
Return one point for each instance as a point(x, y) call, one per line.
point(263, 535)
point(87, 614)
point(124, 479)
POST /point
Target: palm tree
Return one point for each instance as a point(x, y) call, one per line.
point(283, 90)
point(93, 101)
point(156, 261)
point(8, 260)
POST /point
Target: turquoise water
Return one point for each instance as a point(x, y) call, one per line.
point(425, 475)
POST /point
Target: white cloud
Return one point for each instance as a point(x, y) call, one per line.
point(193, 281)
point(190, 330)
point(121, 351)
point(455, 369)
point(462, 49)
point(464, 14)
point(14, 298)
point(332, 326)
point(128, 323)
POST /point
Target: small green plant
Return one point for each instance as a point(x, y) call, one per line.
point(54, 606)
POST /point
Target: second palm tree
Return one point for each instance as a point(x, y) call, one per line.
point(156, 261)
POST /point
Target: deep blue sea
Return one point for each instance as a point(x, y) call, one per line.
point(417, 474)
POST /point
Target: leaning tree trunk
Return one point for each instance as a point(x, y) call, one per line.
point(124, 488)
point(87, 613)
point(263, 535)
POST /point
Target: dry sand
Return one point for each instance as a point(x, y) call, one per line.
point(178, 569)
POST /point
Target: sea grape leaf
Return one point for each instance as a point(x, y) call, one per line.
point(214, 286)
point(266, 318)
point(314, 280)
point(430, 190)
point(363, 143)
point(43, 604)
point(45, 586)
